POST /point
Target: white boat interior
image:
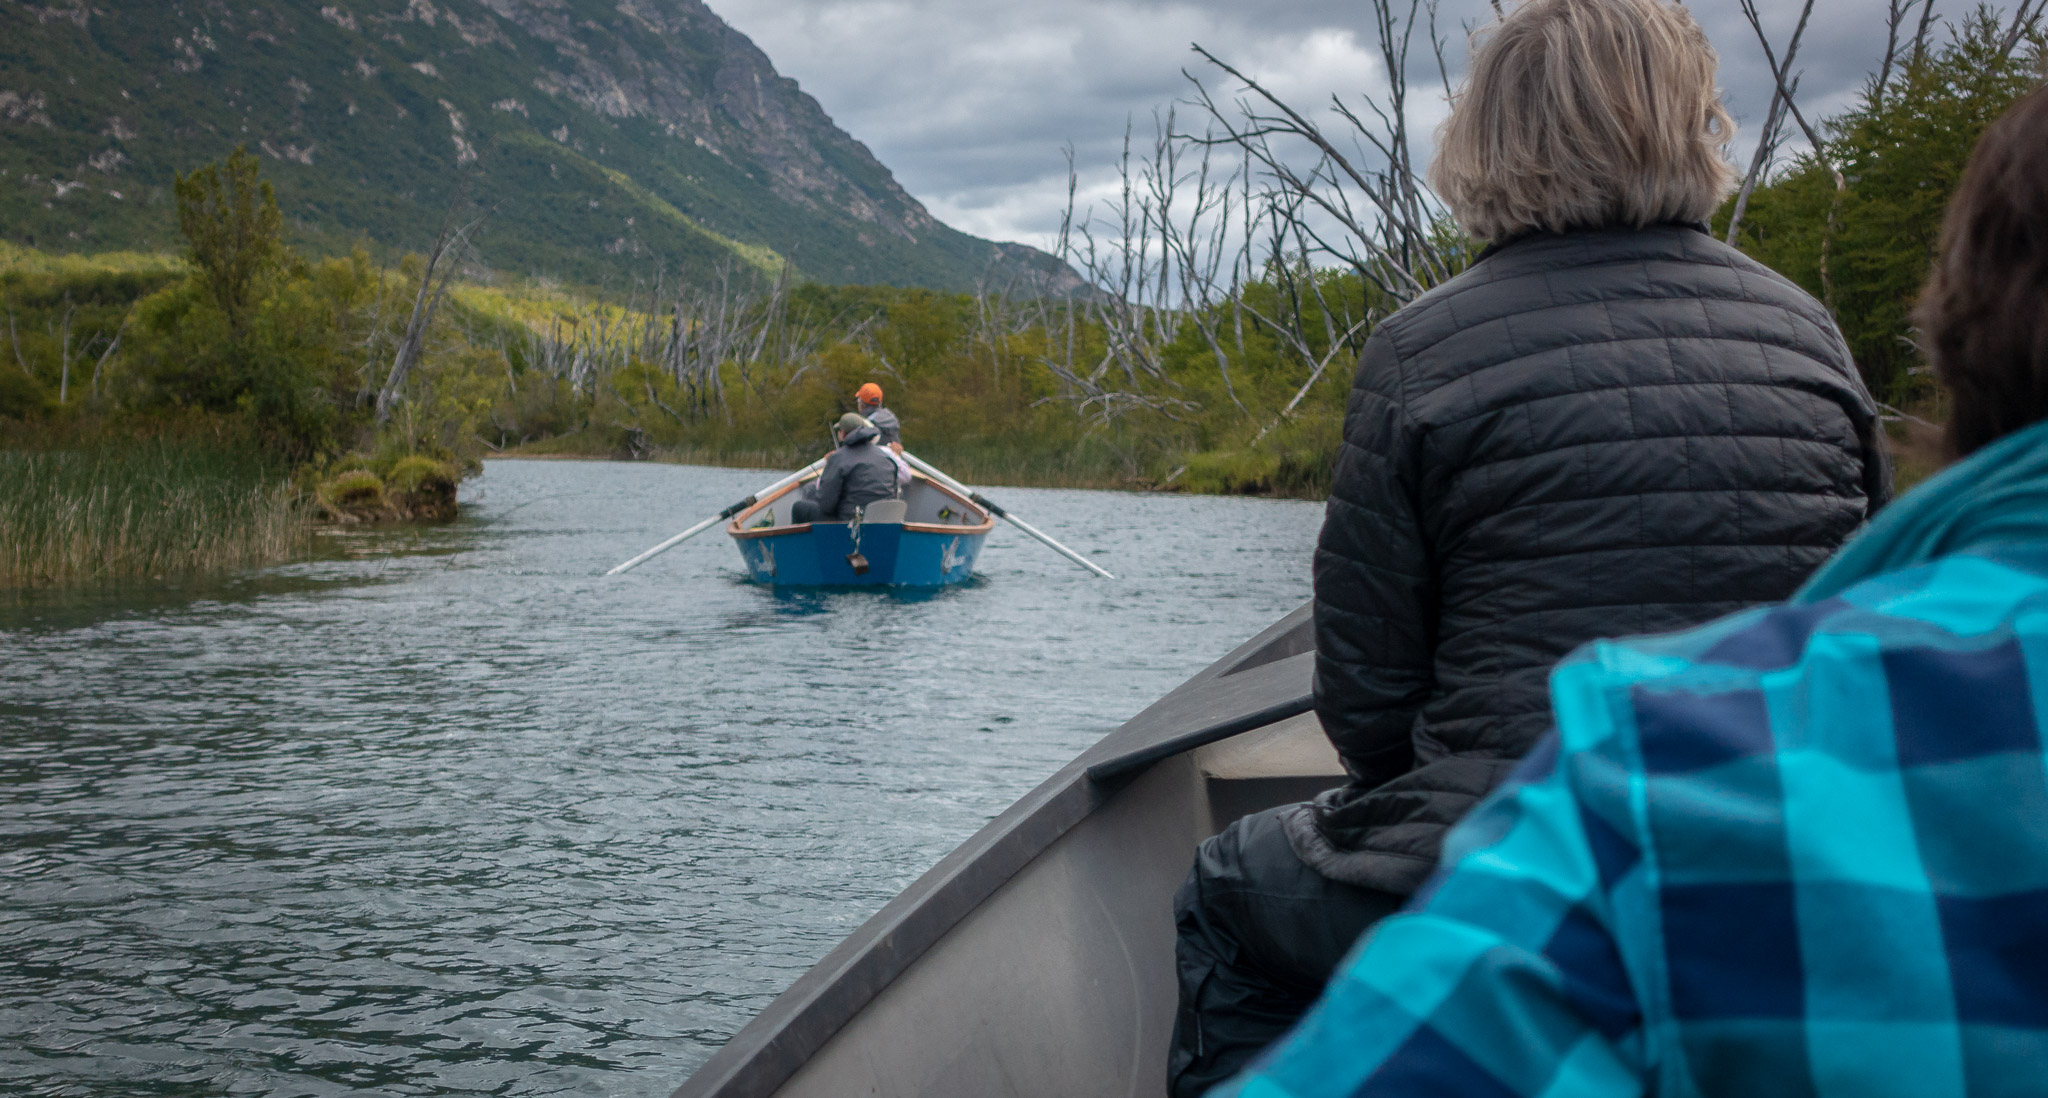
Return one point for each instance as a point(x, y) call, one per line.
point(923, 503)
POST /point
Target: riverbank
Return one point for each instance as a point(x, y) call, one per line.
point(1022, 389)
point(1301, 473)
point(1296, 472)
point(91, 501)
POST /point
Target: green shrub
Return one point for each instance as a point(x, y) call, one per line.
point(357, 488)
point(348, 463)
point(1865, 249)
point(416, 473)
point(21, 396)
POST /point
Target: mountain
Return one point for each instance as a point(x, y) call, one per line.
point(609, 137)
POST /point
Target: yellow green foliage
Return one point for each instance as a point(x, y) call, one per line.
point(355, 488)
point(415, 474)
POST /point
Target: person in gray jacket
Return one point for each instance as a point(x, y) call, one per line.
point(1610, 423)
point(856, 474)
point(870, 400)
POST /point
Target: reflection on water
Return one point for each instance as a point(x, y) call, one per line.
point(444, 810)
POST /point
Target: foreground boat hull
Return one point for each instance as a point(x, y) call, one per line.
point(1037, 959)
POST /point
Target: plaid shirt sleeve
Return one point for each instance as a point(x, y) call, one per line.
point(1505, 978)
point(1847, 891)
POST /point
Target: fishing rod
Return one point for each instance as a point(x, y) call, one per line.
point(926, 468)
point(719, 517)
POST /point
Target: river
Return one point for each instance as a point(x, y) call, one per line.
point(444, 811)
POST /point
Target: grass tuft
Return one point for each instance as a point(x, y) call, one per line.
point(357, 488)
point(147, 509)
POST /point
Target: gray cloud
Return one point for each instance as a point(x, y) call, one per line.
point(969, 102)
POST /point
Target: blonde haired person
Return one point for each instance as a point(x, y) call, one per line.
point(1798, 851)
point(1610, 423)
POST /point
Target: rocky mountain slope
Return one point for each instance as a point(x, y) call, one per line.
point(609, 136)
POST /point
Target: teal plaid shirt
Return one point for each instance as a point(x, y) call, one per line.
point(1801, 851)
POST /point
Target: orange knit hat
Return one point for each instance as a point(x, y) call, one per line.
point(870, 393)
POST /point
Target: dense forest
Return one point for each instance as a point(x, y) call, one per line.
point(1228, 292)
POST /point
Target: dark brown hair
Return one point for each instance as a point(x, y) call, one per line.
point(1983, 315)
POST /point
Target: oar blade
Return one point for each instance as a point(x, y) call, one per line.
point(1046, 539)
point(716, 519)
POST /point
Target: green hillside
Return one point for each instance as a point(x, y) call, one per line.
point(609, 137)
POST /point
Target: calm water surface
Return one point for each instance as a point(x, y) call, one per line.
point(447, 812)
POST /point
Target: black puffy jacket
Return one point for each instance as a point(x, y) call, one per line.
point(1584, 435)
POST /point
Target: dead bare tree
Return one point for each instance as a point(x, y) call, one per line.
point(1295, 335)
point(1175, 252)
point(1119, 262)
point(2026, 19)
point(112, 346)
point(435, 274)
point(1781, 99)
point(15, 337)
point(1373, 211)
point(1785, 82)
point(1195, 245)
point(61, 333)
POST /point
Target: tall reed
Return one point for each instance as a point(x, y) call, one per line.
point(144, 509)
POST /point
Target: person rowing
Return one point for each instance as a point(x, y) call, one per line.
point(869, 398)
point(858, 472)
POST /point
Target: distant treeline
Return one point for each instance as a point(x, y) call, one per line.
point(328, 361)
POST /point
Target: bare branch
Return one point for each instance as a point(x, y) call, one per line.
point(1819, 148)
point(113, 346)
point(2024, 19)
point(1759, 163)
point(15, 336)
point(1920, 35)
point(426, 301)
point(1895, 16)
point(1780, 71)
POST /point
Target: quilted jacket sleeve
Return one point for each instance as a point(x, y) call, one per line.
point(1375, 583)
point(832, 484)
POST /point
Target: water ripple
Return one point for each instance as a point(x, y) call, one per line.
point(447, 812)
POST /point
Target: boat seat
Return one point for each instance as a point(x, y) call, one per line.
point(885, 510)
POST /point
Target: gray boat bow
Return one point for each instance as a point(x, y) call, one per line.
point(1036, 958)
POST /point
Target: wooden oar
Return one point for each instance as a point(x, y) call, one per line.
point(719, 517)
point(925, 467)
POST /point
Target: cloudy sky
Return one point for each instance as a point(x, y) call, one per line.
point(971, 101)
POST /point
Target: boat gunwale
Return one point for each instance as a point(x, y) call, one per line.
point(772, 1047)
point(733, 526)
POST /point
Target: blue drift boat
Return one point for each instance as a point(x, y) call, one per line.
point(928, 538)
